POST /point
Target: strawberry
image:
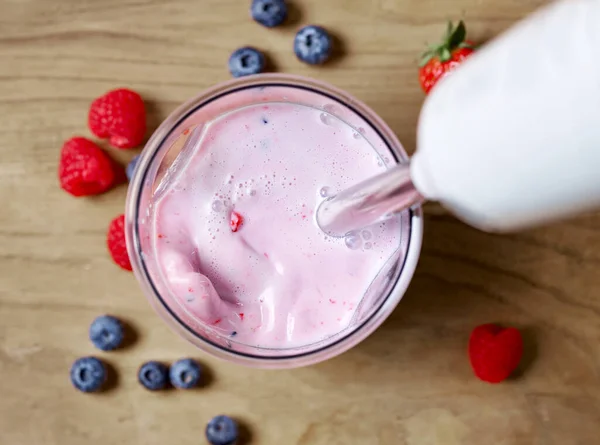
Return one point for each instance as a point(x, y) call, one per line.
point(85, 169)
point(440, 59)
point(495, 352)
point(236, 220)
point(120, 116)
point(115, 240)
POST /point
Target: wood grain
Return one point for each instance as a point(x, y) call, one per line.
point(408, 384)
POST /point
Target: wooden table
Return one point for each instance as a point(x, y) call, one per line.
point(408, 384)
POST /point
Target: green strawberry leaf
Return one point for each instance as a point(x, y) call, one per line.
point(458, 36)
point(445, 55)
point(425, 58)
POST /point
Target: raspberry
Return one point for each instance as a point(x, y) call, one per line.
point(236, 221)
point(120, 116)
point(116, 242)
point(495, 352)
point(85, 169)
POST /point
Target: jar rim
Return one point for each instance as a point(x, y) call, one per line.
point(160, 137)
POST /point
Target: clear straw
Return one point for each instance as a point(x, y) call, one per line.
point(369, 202)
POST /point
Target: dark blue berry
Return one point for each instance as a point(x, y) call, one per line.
point(130, 170)
point(185, 373)
point(153, 376)
point(312, 45)
point(246, 61)
point(88, 374)
point(222, 430)
point(106, 333)
point(269, 13)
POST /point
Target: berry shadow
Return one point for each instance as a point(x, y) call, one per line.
point(270, 64)
point(131, 333)
point(294, 16)
point(245, 433)
point(530, 352)
point(112, 378)
point(207, 378)
point(339, 48)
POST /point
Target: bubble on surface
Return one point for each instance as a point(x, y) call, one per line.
point(353, 241)
point(325, 192)
point(327, 119)
point(368, 246)
point(366, 235)
point(217, 205)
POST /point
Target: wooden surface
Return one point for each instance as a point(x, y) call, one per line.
point(408, 384)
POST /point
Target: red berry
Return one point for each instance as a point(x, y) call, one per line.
point(495, 352)
point(236, 221)
point(85, 169)
point(440, 59)
point(120, 116)
point(116, 242)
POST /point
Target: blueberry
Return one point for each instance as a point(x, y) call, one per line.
point(312, 45)
point(106, 333)
point(153, 375)
point(269, 13)
point(185, 373)
point(88, 374)
point(246, 61)
point(130, 170)
point(222, 430)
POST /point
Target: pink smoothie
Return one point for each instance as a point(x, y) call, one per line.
point(278, 281)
